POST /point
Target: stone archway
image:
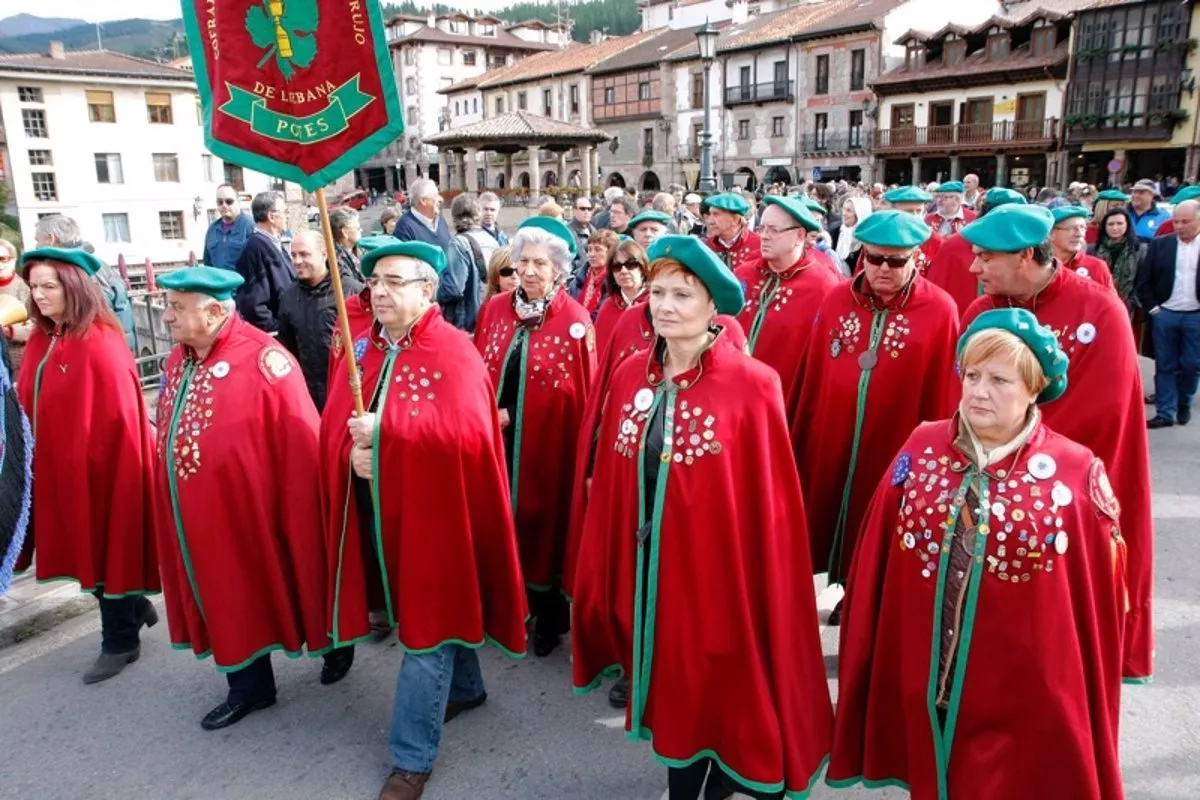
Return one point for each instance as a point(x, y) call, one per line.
point(650, 182)
point(778, 175)
point(616, 179)
point(549, 179)
point(575, 179)
point(500, 181)
point(745, 178)
point(523, 182)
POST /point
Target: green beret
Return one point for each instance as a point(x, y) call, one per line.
point(1114, 194)
point(553, 226)
point(907, 194)
point(1186, 193)
point(369, 243)
point(1009, 229)
point(951, 187)
point(75, 256)
point(649, 216)
point(1069, 212)
point(728, 201)
point(1000, 196)
point(216, 283)
point(1039, 338)
point(892, 228)
point(796, 208)
point(433, 256)
point(726, 290)
point(812, 205)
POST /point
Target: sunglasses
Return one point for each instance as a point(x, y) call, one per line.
point(507, 272)
point(626, 265)
point(228, 201)
point(894, 262)
point(583, 208)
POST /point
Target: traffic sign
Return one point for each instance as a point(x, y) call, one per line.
point(816, 173)
point(1115, 166)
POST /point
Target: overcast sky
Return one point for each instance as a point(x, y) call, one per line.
point(94, 11)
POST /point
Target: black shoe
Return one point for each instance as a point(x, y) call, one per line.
point(380, 627)
point(456, 707)
point(227, 713)
point(149, 615)
point(1160, 422)
point(1149, 399)
point(1183, 415)
point(337, 664)
point(618, 695)
point(835, 616)
point(545, 643)
point(109, 665)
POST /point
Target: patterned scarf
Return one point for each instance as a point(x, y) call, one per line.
point(532, 312)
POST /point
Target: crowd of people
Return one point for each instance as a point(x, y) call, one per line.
point(647, 426)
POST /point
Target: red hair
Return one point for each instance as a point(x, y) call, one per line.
point(85, 302)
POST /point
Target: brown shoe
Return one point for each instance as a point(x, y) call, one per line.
point(401, 785)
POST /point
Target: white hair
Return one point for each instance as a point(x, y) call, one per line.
point(560, 254)
point(612, 193)
point(421, 189)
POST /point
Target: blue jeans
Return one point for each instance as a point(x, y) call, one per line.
point(426, 683)
point(1176, 359)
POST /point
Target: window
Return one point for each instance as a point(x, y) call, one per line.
point(170, 224)
point(100, 107)
point(743, 129)
point(410, 116)
point(410, 56)
point(574, 94)
point(234, 176)
point(499, 105)
point(521, 101)
point(158, 108)
point(166, 167)
point(44, 187)
point(744, 77)
point(1044, 40)
point(997, 46)
point(476, 104)
point(777, 126)
point(208, 166)
point(823, 74)
point(457, 110)
point(497, 61)
point(548, 102)
point(40, 158)
point(34, 120)
point(468, 58)
point(644, 90)
point(30, 94)
point(697, 90)
point(914, 56)
point(108, 168)
point(820, 127)
point(610, 95)
point(458, 26)
point(858, 70)
point(648, 142)
point(486, 29)
point(410, 86)
point(444, 57)
point(199, 112)
point(856, 125)
point(116, 227)
point(954, 52)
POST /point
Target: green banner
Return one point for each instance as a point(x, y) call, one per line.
point(344, 102)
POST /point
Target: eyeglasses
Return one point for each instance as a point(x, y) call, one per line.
point(507, 272)
point(390, 283)
point(894, 262)
point(771, 230)
point(630, 265)
point(6, 259)
point(583, 208)
point(226, 201)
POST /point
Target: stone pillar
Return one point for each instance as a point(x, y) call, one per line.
point(916, 169)
point(562, 169)
point(535, 174)
point(471, 170)
point(585, 166)
point(1052, 176)
point(1123, 157)
point(1001, 169)
point(444, 181)
point(955, 170)
point(508, 171)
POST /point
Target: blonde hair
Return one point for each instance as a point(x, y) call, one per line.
point(551, 209)
point(997, 343)
point(501, 258)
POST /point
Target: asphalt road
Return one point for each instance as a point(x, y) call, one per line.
point(138, 735)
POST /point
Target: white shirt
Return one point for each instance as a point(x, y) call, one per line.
point(1183, 296)
point(430, 223)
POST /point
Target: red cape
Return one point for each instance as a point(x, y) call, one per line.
point(747, 248)
point(950, 269)
point(610, 312)
point(358, 313)
point(439, 466)
point(779, 330)
point(92, 518)
point(1091, 267)
point(239, 517)
point(934, 221)
point(928, 252)
point(840, 456)
point(592, 292)
point(1162, 230)
point(1103, 410)
point(559, 360)
point(728, 513)
point(1036, 699)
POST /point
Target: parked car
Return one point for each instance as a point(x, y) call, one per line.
point(356, 200)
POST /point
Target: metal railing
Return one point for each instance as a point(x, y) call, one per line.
point(968, 134)
point(151, 340)
point(760, 92)
point(837, 140)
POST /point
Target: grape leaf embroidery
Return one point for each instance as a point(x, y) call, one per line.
point(287, 30)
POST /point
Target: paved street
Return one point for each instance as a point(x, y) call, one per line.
point(138, 735)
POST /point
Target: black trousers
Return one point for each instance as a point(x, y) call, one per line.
point(550, 610)
point(685, 783)
point(252, 683)
point(120, 620)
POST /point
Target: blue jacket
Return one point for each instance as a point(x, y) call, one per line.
point(460, 285)
point(410, 229)
point(268, 272)
point(1147, 224)
point(223, 249)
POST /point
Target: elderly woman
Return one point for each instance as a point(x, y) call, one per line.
point(387, 220)
point(624, 288)
point(981, 653)
point(16, 333)
point(1119, 248)
point(854, 211)
point(880, 360)
point(539, 348)
point(692, 544)
point(431, 430)
point(588, 285)
point(94, 452)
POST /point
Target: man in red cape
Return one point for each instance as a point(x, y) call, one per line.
point(239, 518)
point(730, 237)
point(1103, 408)
point(914, 200)
point(880, 360)
point(783, 291)
point(448, 572)
point(951, 215)
point(951, 267)
point(1068, 242)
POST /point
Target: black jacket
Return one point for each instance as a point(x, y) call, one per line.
point(306, 317)
point(1156, 274)
point(268, 272)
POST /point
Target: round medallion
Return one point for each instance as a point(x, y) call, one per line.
point(1083, 272)
point(1061, 495)
point(868, 360)
point(1060, 543)
point(1086, 333)
point(910, 541)
point(643, 399)
point(627, 427)
point(578, 330)
point(220, 369)
point(1042, 466)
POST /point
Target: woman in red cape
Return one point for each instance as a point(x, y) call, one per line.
point(625, 288)
point(538, 347)
point(692, 570)
point(93, 453)
point(981, 651)
point(881, 359)
point(590, 287)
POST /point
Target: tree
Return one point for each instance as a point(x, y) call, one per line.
point(615, 17)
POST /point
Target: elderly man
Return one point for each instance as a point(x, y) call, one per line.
point(423, 221)
point(265, 267)
point(1068, 240)
point(432, 430)
point(951, 215)
point(240, 539)
point(1146, 215)
point(308, 311)
point(648, 226)
point(1102, 408)
point(783, 291)
point(1167, 288)
point(972, 194)
point(880, 362)
point(688, 216)
point(347, 230)
point(664, 203)
point(228, 233)
point(489, 209)
point(729, 237)
point(600, 218)
point(914, 200)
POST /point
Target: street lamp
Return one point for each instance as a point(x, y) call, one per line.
point(706, 40)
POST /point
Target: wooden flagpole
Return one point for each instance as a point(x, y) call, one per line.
point(340, 298)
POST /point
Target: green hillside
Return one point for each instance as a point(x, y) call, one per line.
point(137, 37)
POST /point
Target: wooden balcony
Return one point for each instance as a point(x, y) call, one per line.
point(968, 136)
point(760, 93)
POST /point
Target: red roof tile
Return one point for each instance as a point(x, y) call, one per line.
point(93, 62)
